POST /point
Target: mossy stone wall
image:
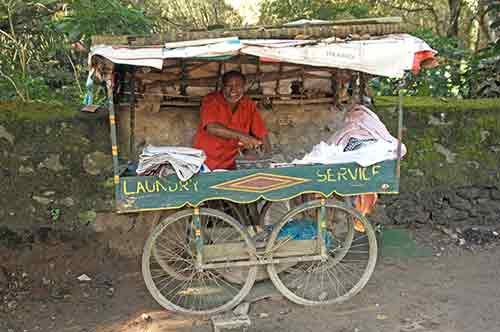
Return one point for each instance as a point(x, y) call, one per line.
point(453, 147)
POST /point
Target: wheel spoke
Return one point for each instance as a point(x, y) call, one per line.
point(170, 264)
point(351, 257)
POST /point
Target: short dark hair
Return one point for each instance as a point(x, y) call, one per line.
point(231, 74)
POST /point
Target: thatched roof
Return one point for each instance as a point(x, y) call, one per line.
point(340, 29)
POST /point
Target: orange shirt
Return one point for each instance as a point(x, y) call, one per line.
point(246, 119)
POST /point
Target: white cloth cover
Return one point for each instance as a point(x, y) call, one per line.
point(185, 161)
point(361, 123)
point(388, 56)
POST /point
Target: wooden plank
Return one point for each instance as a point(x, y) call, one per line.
point(296, 248)
point(303, 101)
point(373, 26)
point(239, 250)
point(225, 252)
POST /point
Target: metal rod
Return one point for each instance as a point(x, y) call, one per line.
point(114, 139)
point(321, 227)
point(400, 131)
point(362, 87)
point(131, 148)
point(198, 236)
point(263, 262)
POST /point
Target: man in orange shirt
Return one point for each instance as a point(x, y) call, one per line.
point(229, 120)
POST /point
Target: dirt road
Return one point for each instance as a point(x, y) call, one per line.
point(452, 293)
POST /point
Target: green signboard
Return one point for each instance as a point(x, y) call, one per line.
point(141, 193)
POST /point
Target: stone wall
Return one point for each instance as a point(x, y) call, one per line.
point(55, 168)
point(293, 129)
point(474, 205)
point(55, 165)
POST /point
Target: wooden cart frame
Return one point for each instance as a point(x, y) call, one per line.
point(201, 260)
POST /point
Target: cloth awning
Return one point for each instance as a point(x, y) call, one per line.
point(389, 56)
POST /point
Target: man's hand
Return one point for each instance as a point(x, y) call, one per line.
point(244, 140)
point(249, 142)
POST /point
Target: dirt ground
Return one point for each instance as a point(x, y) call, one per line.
point(455, 291)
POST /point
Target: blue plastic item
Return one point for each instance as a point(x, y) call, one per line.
point(303, 230)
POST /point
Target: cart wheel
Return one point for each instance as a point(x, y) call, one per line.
point(169, 257)
point(351, 256)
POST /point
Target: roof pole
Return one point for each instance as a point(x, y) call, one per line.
point(400, 127)
point(114, 140)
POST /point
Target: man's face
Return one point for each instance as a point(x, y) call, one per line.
point(233, 89)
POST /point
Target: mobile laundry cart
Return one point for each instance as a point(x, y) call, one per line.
point(320, 249)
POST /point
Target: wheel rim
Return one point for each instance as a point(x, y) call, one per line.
point(169, 258)
point(351, 258)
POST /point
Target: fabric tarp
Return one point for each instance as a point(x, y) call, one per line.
point(389, 56)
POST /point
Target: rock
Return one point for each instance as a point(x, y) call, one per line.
point(49, 193)
point(6, 135)
point(67, 202)
point(381, 317)
point(495, 194)
point(449, 232)
point(242, 309)
point(434, 121)
point(461, 204)
point(84, 277)
point(12, 305)
point(450, 156)
point(26, 170)
point(469, 193)
point(87, 217)
point(474, 164)
point(52, 163)
point(479, 235)
point(120, 223)
point(415, 172)
point(42, 200)
point(3, 277)
point(484, 135)
point(263, 315)
point(230, 322)
point(407, 211)
point(97, 163)
point(447, 215)
point(486, 207)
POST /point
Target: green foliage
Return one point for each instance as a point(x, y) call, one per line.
point(282, 11)
point(37, 61)
point(461, 72)
point(192, 14)
point(85, 18)
point(426, 105)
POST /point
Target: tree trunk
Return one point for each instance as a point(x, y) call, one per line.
point(455, 9)
point(139, 3)
point(493, 34)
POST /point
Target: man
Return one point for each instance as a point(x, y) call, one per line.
point(229, 121)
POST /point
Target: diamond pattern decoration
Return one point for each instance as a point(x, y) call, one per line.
point(260, 183)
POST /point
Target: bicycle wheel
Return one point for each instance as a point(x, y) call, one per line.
point(351, 256)
point(169, 263)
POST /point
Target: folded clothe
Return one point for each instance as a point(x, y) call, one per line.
point(362, 123)
point(166, 160)
point(363, 139)
point(357, 143)
point(365, 156)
